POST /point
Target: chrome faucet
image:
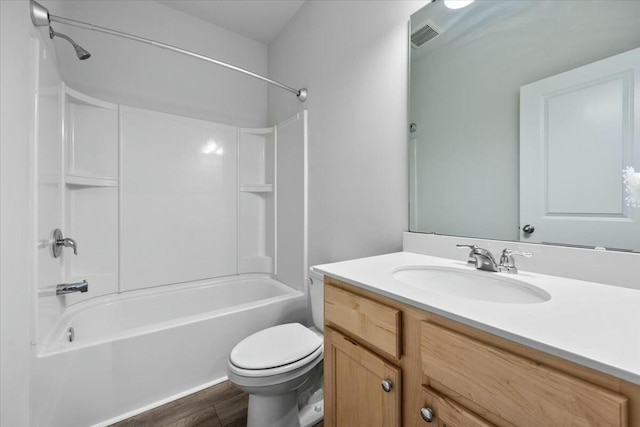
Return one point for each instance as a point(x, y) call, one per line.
point(67, 288)
point(471, 261)
point(507, 264)
point(482, 259)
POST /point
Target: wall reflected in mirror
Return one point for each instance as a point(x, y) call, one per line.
point(466, 73)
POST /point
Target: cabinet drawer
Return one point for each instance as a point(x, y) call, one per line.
point(446, 412)
point(376, 324)
point(515, 389)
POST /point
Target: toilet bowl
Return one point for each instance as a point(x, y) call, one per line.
point(281, 370)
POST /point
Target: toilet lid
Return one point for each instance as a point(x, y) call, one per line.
point(275, 346)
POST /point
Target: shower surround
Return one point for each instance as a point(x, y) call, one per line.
point(179, 236)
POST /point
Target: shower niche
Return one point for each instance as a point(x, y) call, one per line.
point(91, 158)
point(256, 242)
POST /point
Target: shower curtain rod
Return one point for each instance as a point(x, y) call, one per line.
point(40, 17)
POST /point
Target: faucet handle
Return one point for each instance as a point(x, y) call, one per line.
point(68, 243)
point(468, 246)
point(471, 260)
point(58, 241)
point(510, 252)
point(506, 260)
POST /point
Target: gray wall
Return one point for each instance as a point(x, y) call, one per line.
point(352, 56)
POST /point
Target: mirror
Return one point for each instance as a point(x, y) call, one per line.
point(466, 73)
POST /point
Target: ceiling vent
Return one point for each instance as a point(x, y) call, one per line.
point(425, 33)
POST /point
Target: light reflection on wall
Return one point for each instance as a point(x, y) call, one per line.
point(211, 147)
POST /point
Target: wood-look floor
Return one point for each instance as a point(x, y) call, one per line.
point(223, 405)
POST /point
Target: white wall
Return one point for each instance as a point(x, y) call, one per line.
point(352, 56)
point(135, 74)
point(15, 211)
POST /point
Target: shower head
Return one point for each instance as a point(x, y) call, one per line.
point(80, 51)
point(40, 18)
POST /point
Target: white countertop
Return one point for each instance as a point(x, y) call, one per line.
point(591, 324)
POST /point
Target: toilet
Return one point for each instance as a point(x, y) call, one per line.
point(281, 369)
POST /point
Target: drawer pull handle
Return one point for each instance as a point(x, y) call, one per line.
point(351, 341)
point(387, 385)
point(427, 414)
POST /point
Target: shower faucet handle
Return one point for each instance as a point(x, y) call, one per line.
point(59, 241)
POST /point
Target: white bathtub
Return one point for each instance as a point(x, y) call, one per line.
point(140, 349)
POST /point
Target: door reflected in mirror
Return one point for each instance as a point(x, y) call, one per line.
point(470, 113)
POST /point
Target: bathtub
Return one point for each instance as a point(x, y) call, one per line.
point(137, 350)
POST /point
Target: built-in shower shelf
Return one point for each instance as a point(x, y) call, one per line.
point(90, 181)
point(256, 188)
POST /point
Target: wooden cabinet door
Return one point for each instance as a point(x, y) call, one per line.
point(354, 377)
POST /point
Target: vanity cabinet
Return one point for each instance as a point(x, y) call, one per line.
point(444, 373)
point(361, 364)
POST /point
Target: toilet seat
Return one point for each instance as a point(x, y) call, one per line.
point(276, 350)
point(283, 369)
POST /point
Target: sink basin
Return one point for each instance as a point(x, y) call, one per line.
point(471, 284)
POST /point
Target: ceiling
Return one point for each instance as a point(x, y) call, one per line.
point(259, 20)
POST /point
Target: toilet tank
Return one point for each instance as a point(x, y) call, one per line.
point(316, 298)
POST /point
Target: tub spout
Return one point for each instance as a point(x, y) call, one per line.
point(67, 288)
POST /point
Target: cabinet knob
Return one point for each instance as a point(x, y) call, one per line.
point(387, 385)
point(427, 414)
